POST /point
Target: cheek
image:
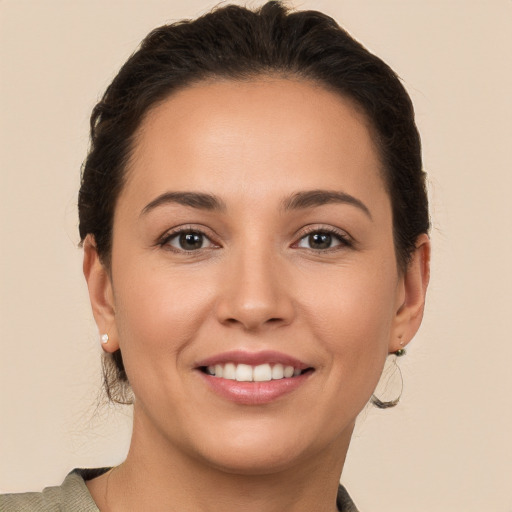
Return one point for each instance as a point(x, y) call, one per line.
point(158, 311)
point(157, 318)
point(356, 337)
point(352, 319)
point(351, 304)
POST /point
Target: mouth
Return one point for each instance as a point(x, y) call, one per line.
point(248, 373)
point(253, 378)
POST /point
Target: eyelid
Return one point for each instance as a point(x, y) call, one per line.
point(345, 239)
point(163, 240)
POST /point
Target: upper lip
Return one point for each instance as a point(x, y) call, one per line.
point(253, 359)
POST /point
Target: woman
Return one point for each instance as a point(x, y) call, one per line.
point(254, 223)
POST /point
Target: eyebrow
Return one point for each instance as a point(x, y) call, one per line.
point(197, 200)
point(298, 201)
point(312, 198)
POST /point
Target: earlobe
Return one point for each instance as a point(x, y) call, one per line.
point(100, 295)
point(414, 285)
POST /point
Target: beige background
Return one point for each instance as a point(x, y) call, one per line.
point(448, 446)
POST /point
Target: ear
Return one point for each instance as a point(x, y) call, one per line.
point(100, 294)
point(412, 290)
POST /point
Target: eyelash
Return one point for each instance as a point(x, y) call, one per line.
point(164, 242)
point(344, 240)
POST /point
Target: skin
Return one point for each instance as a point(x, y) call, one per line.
point(256, 284)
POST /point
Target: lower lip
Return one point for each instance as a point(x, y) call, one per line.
point(254, 393)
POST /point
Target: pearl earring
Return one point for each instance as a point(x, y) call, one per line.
point(104, 338)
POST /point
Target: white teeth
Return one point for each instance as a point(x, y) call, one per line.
point(248, 373)
point(262, 373)
point(218, 370)
point(243, 373)
point(229, 371)
point(277, 371)
point(288, 371)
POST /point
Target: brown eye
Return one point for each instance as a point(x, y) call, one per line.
point(321, 240)
point(189, 241)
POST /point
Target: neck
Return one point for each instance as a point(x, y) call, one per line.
point(158, 476)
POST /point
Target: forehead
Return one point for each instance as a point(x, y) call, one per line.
point(248, 135)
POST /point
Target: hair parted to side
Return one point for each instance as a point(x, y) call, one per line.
point(237, 43)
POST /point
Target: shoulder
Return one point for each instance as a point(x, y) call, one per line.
point(344, 501)
point(72, 495)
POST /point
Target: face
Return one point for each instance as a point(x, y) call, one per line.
point(254, 290)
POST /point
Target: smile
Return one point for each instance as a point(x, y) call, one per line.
point(253, 378)
point(247, 373)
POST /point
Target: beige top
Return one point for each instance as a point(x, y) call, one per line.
point(73, 496)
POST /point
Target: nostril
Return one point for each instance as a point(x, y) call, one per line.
point(239, 307)
point(248, 322)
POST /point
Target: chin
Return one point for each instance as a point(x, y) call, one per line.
point(253, 460)
point(269, 449)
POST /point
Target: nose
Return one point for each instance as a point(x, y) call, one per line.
point(255, 293)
